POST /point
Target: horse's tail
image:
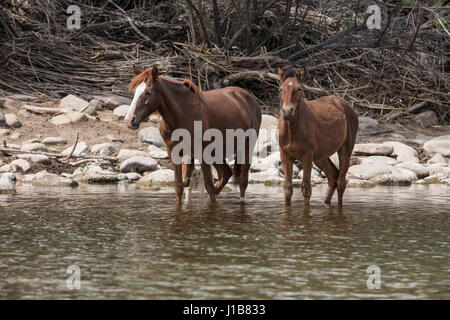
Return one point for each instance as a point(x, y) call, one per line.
point(236, 173)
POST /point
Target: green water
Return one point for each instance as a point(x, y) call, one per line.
point(133, 244)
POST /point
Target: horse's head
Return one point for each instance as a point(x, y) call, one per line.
point(147, 96)
point(291, 91)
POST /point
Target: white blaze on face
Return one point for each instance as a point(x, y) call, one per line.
point(137, 94)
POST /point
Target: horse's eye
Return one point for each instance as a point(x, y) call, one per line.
point(148, 92)
point(299, 89)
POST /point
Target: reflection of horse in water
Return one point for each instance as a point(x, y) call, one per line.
point(182, 103)
point(311, 131)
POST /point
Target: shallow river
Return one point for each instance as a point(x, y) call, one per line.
point(133, 244)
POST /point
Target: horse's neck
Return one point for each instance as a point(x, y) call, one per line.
point(171, 110)
point(299, 125)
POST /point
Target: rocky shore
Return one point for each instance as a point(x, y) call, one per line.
point(38, 148)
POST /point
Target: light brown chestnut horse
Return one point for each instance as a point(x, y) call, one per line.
point(311, 131)
point(180, 103)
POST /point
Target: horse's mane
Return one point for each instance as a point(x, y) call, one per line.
point(138, 79)
point(143, 76)
point(290, 73)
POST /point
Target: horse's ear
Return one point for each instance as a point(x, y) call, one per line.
point(301, 74)
point(136, 70)
point(281, 73)
point(155, 72)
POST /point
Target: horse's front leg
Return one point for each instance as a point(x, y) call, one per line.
point(187, 171)
point(287, 163)
point(178, 176)
point(306, 183)
point(178, 172)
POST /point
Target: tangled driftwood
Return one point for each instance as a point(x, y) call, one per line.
point(382, 72)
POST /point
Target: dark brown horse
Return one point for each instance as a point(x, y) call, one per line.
point(180, 103)
point(311, 131)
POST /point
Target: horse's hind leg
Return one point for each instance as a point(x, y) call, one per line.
point(243, 181)
point(344, 154)
point(332, 173)
point(224, 172)
point(208, 179)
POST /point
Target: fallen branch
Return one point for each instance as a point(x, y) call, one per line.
point(57, 155)
point(43, 110)
point(73, 149)
point(413, 108)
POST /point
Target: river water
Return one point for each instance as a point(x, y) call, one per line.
point(135, 244)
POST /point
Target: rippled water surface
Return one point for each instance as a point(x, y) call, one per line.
point(133, 244)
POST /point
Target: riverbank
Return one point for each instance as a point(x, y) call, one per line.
point(38, 138)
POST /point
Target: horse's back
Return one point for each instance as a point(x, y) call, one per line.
point(234, 102)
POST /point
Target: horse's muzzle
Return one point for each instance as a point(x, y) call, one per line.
point(287, 113)
point(132, 123)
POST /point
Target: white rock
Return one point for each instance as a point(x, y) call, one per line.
point(94, 106)
point(120, 112)
point(7, 184)
point(411, 175)
point(74, 103)
point(437, 178)
point(80, 149)
point(417, 168)
point(268, 137)
point(2, 118)
point(111, 101)
point(427, 118)
point(95, 174)
point(132, 176)
point(419, 139)
point(54, 141)
point(128, 153)
point(381, 160)
point(396, 179)
point(366, 149)
point(439, 145)
point(151, 135)
point(437, 158)
point(43, 178)
point(271, 176)
point(21, 164)
point(34, 147)
point(367, 125)
point(72, 117)
point(157, 178)
point(351, 183)
point(15, 136)
point(157, 153)
point(8, 168)
point(403, 152)
point(366, 172)
point(97, 147)
point(138, 164)
point(36, 158)
point(439, 169)
point(264, 164)
point(12, 121)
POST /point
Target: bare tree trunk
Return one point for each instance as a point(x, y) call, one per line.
point(217, 31)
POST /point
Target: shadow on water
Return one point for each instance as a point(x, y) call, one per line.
point(132, 243)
